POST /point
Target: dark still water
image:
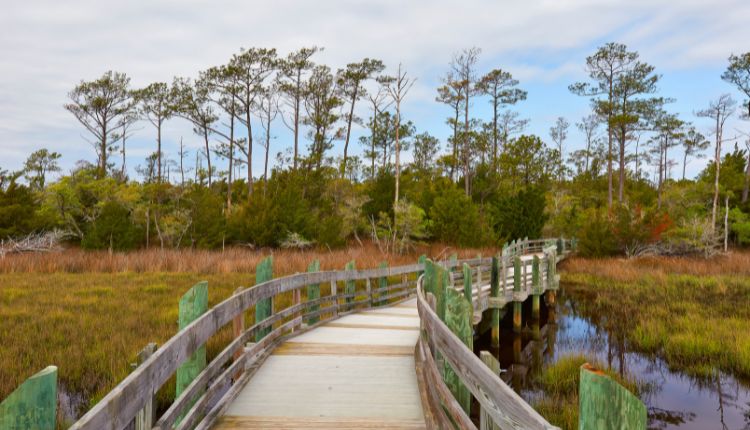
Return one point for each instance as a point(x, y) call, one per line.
point(674, 400)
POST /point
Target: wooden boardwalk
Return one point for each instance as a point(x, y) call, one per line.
point(308, 381)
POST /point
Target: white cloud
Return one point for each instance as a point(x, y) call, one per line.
point(48, 46)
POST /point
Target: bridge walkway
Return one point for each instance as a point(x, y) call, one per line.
point(356, 372)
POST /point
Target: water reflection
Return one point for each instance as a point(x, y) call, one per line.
point(674, 400)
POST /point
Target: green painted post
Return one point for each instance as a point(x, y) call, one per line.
point(313, 293)
point(264, 308)
point(422, 260)
point(605, 404)
point(559, 245)
point(495, 292)
point(383, 284)
point(517, 289)
point(467, 282)
point(349, 286)
point(438, 285)
point(536, 288)
point(33, 405)
point(458, 318)
point(192, 305)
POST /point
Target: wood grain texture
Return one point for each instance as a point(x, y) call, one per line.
point(291, 423)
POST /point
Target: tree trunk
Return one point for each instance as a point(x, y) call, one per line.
point(296, 115)
point(622, 164)
point(231, 161)
point(746, 188)
point(349, 130)
point(717, 163)
point(158, 151)
point(684, 164)
point(249, 152)
point(398, 147)
point(466, 142)
point(494, 133)
point(208, 153)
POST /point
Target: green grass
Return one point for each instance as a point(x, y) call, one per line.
point(92, 325)
point(697, 323)
point(560, 381)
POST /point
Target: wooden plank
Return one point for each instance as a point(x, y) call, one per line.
point(313, 292)
point(340, 423)
point(468, 291)
point(264, 307)
point(321, 385)
point(382, 327)
point(603, 403)
point(364, 336)
point(33, 405)
point(310, 348)
point(192, 305)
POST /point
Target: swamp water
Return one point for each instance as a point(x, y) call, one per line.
point(674, 400)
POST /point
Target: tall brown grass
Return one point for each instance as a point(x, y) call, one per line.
point(622, 269)
point(231, 260)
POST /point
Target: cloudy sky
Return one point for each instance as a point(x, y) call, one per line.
point(46, 47)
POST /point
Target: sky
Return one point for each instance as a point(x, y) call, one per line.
point(47, 47)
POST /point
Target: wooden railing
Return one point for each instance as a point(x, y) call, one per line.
point(439, 346)
point(201, 402)
point(205, 398)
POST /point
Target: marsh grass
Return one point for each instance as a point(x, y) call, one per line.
point(90, 313)
point(231, 260)
point(692, 313)
point(560, 382)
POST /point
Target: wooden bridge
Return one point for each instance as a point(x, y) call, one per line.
point(393, 349)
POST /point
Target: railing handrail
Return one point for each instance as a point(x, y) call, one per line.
point(120, 406)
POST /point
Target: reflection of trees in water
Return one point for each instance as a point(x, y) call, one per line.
point(662, 418)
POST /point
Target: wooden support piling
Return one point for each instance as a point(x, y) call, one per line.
point(313, 293)
point(605, 404)
point(334, 293)
point(495, 292)
point(264, 307)
point(33, 405)
point(517, 289)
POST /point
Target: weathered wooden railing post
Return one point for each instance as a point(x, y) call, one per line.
point(467, 282)
point(560, 246)
point(605, 404)
point(495, 292)
point(536, 288)
point(264, 307)
point(144, 420)
point(485, 421)
point(349, 286)
point(238, 327)
point(516, 289)
point(313, 293)
point(334, 295)
point(192, 305)
point(458, 317)
point(33, 405)
point(382, 284)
